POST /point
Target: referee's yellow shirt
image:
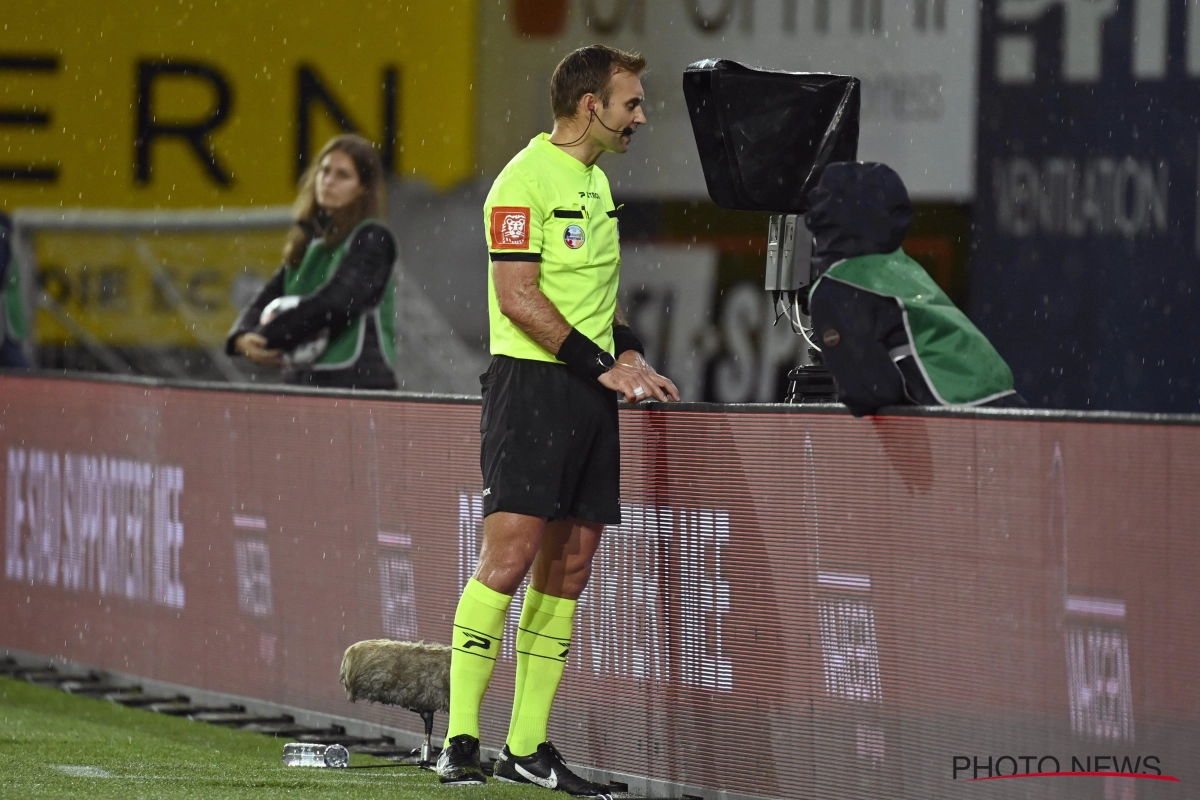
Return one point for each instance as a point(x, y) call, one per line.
point(547, 206)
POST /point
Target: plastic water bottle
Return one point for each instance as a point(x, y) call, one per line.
point(305, 754)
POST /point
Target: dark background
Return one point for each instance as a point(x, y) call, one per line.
point(1103, 320)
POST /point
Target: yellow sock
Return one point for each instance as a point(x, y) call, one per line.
point(478, 627)
point(543, 641)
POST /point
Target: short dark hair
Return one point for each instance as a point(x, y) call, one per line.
point(589, 69)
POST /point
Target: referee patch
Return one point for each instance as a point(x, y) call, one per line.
point(573, 237)
point(510, 228)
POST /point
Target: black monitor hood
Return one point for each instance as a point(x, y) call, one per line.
point(764, 136)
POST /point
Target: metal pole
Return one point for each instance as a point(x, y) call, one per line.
point(98, 348)
point(23, 250)
point(223, 362)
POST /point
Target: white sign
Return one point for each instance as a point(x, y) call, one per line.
point(1099, 682)
point(92, 523)
point(917, 61)
point(622, 625)
point(253, 559)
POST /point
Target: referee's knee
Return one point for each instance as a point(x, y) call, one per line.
point(503, 572)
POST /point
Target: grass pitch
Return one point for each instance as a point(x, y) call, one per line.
point(53, 744)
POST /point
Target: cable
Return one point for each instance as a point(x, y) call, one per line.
point(626, 131)
point(811, 343)
point(775, 297)
point(592, 115)
point(792, 309)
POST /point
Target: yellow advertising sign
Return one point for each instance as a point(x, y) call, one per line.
point(177, 288)
point(150, 104)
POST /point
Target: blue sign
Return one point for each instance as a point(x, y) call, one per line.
point(1086, 272)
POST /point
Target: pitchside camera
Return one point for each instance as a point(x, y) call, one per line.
point(764, 137)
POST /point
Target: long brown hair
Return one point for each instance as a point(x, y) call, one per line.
point(311, 222)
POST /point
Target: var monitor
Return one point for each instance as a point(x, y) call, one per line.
point(764, 135)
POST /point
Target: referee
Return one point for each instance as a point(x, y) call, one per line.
point(550, 451)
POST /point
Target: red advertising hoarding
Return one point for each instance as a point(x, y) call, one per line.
point(796, 604)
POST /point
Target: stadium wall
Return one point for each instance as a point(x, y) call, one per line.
point(798, 603)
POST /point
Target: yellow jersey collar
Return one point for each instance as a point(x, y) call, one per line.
point(558, 155)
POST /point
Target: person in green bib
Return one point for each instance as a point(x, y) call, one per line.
point(13, 329)
point(887, 332)
point(562, 353)
point(336, 288)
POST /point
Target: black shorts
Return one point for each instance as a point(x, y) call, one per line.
point(550, 443)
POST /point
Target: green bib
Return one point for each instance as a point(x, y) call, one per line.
point(957, 360)
point(12, 309)
point(319, 264)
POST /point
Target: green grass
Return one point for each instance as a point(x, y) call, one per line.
point(53, 744)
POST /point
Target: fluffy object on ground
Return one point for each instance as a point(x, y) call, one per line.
point(412, 675)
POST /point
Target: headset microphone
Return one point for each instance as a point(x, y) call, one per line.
point(592, 115)
point(626, 132)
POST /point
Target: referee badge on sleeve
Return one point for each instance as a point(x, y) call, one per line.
point(510, 228)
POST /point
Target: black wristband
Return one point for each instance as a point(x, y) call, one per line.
point(625, 339)
point(583, 356)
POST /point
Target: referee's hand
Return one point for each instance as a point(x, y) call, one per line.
point(637, 381)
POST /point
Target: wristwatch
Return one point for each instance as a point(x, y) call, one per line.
point(604, 362)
